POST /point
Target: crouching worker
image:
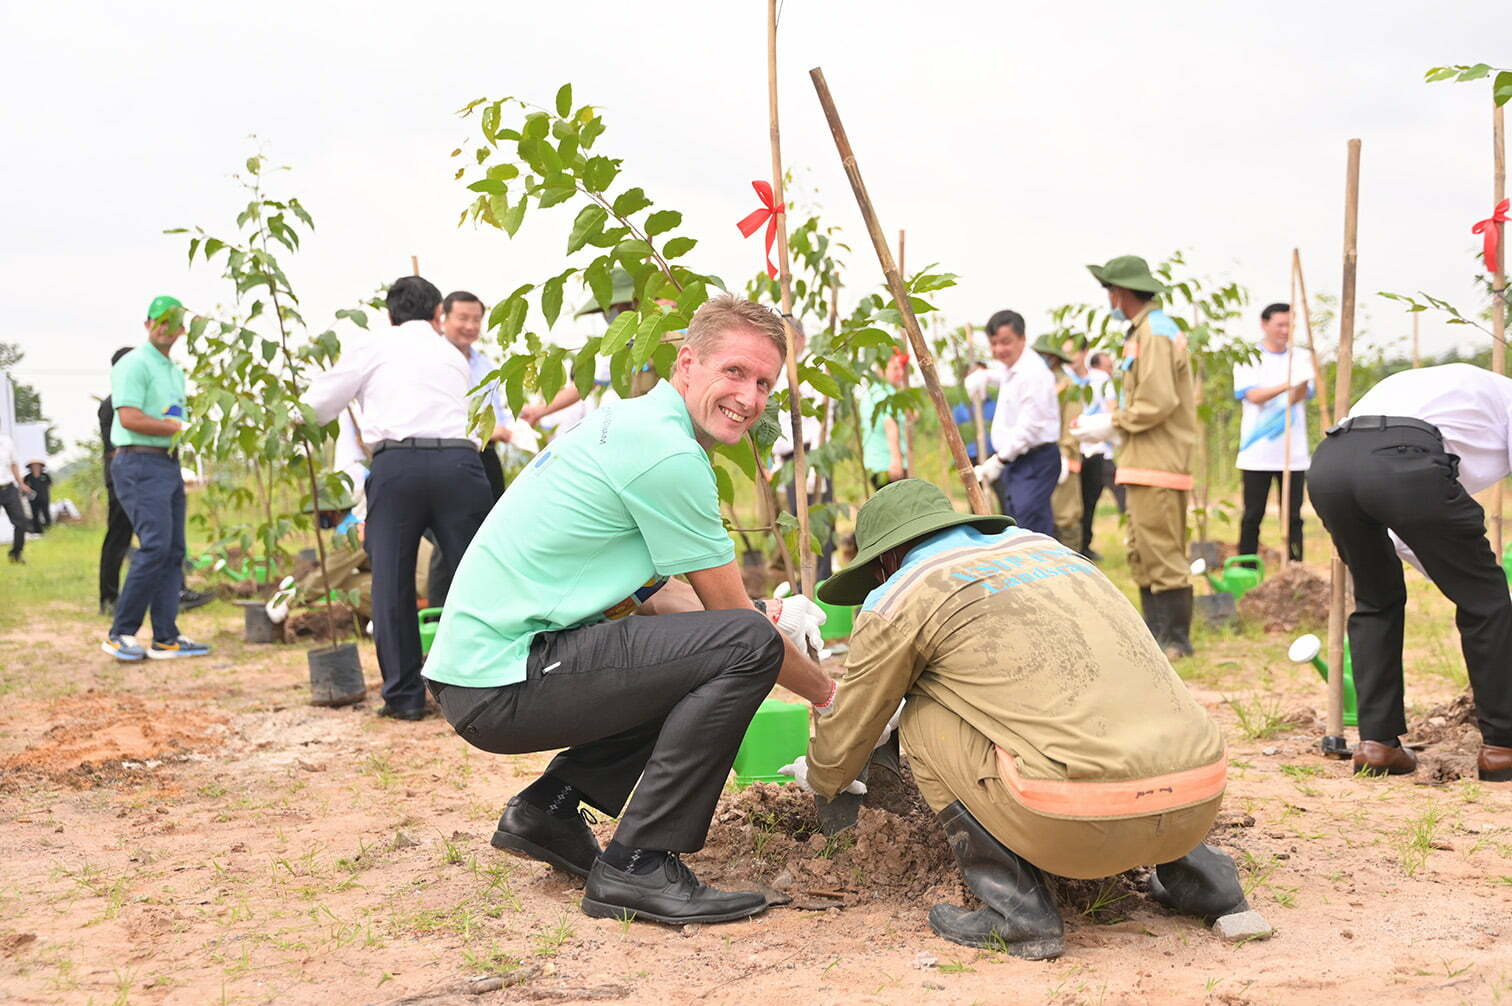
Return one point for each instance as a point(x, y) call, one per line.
point(531, 656)
point(1043, 724)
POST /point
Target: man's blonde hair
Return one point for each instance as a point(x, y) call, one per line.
point(719, 315)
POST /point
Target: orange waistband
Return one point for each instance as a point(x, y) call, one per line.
point(1126, 798)
point(1152, 477)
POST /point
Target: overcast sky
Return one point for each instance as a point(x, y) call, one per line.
point(1014, 142)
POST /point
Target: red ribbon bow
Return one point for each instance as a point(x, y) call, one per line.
point(766, 215)
point(1492, 232)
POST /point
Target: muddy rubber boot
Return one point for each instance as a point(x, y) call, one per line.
point(1203, 883)
point(1179, 620)
point(1150, 610)
point(1018, 915)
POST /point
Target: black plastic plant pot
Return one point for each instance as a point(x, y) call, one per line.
point(336, 676)
point(1206, 550)
point(259, 627)
point(1216, 610)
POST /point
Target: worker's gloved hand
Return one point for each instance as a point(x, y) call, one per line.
point(799, 771)
point(977, 382)
point(892, 725)
point(988, 471)
point(1065, 471)
point(1094, 428)
point(797, 618)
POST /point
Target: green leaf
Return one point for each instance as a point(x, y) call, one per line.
point(841, 371)
point(599, 173)
point(662, 221)
point(819, 381)
point(558, 189)
point(553, 374)
point(724, 485)
point(591, 131)
point(1475, 72)
point(647, 336)
point(1501, 88)
point(584, 365)
point(741, 455)
point(564, 109)
point(692, 297)
point(678, 247)
point(586, 227)
point(194, 244)
point(619, 369)
point(537, 126)
point(490, 185)
point(619, 333)
point(630, 201)
point(512, 217)
point(502, 172)
point(600, 278)
point(551, 302)
point(632, 251)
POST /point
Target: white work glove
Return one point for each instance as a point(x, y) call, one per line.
point(1094, 428)
point(278, 605)
point(892, 724)
point(1065, 471)
point(977, 382)
point(988, 471)
point(797, 618)
point(799, 771)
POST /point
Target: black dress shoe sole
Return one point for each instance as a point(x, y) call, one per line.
point(517, 846)
point(604, 910)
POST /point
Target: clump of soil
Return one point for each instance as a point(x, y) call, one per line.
point(94, 738)
point(315, 626)
point(1448, 741)
point(1288, 601)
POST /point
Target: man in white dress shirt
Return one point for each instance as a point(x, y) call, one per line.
point(1403, 466)
point(1025, 428)
point(412, 387)
point(1277, 380)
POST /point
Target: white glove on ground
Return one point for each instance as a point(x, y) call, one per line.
point(988, 471)
point(799, 771)
point(797, 618)
point(1093, 428)
point(977, 382)
point(1065, 471)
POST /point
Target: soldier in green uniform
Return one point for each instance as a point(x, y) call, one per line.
point(1065, 501)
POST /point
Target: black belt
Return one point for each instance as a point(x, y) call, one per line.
point(141, 449)
point(423, 443)
point(1383, 423)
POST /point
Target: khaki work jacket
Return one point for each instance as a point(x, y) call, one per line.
point(1157, 412)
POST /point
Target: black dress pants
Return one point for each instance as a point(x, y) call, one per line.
point(412, 489)
point(438, 575)
point(1091, 491)
point(662, 700)
point(1256, 496)
point(1364, 481)
point(41, 507)
point(113, 548)
point(10, 502)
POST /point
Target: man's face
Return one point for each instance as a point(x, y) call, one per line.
point(727, 389)
point(463, 324)
point(1007, 345)
point(164, 332)
point(1277, 329)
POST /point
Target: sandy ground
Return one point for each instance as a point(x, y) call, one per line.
point(194, 832)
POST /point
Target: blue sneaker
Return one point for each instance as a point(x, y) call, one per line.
point(175, 648)
point(123, 648)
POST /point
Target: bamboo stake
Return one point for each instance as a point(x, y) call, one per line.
point(1320, 387)
point(1334, 744)
point(767, 508)
point(1286, 441)
point(414, 265)
point(806, 561)
point(895, 283)
point(1416, 360)
point(977, 409)
point(906, 429)
point(1498, 290)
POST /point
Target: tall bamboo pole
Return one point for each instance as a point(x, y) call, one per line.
point(907, 429)
point(1320, 387)
point(977, 408)
point(1498, 289)
point(895, 283)
point(1334, 744)
point(806, 561)
point(1286, 441)
point(414, 265)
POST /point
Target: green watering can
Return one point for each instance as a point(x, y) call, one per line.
point(839, 619)
point(1237, 578)
point(778, 734)
point(430, 621)
point(1307, 650)
point(1507, 562)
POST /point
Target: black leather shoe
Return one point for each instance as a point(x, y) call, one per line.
point(671, 895)
point(389, 712)
point(191, 599)
point(1203, 883)
point(1018, 916)
point(564, 842)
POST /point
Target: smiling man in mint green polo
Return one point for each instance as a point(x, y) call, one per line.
point(546, 642)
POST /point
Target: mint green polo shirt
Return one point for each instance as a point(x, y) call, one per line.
point(146, 379)
point(625, 497)
point(875, 454)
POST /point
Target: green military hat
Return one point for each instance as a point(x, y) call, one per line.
point(899, 512)
point(1048, 348)
point(624, 293)
point(161, 306)
point(1129, 272)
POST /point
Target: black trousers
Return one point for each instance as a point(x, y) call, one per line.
point(411, 490)
point(113, 548)
point(1256, 495)
point(41, 507)
point(10, 502)
point(1091, 492)
point(663, 701)
point(1110, 483)
point(438, 575)
point(1364, 481)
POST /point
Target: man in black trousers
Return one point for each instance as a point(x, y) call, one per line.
point(412, 386)
point(117, 524)
point(1400, 472)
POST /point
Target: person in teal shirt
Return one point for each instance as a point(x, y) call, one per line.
point(884, 441)
point(545, 642)
point(147, 391)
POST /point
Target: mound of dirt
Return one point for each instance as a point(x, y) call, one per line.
point(94, 738)
point(313, 625)
point(1447, 740)
point(1288, 601)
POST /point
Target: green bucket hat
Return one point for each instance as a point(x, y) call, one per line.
point(624, 293)
point(899, 512)
point(1128, 271)
point(1045, 346)
point(161, 306)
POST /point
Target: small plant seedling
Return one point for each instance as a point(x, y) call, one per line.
point(624, 918)
point(551, 941)
point(1417, 840)
point(1259, 717)
point(956, 968)
point(490, 963)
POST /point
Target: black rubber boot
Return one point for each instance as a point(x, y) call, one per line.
point(1203, 883)
point(1178, 611)
point(1150, 609)
point(1018, 914)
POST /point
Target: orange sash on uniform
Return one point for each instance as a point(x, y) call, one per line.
point(1126, 798)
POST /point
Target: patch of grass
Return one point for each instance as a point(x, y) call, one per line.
point(1259, 717)
point(1416, 840)
point(490, 963)
point(956, 968)
point(1100, 910)
point(553, 939)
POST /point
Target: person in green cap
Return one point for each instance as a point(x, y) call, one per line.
point(1065, 500)
point(1156, 417)
point(1042, 723)
point(147, 390)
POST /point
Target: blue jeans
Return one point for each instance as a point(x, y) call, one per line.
point(151, 490)
point(1025, 487)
